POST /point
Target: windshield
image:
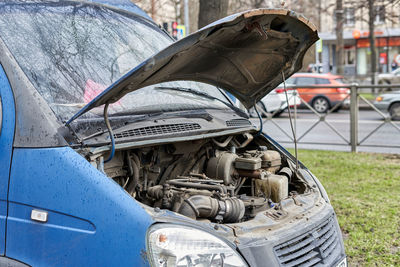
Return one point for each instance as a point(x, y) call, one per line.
point(71, 52)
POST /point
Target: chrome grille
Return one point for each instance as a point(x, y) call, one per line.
point(238, 122)
point(158, 130)
point(319, 247)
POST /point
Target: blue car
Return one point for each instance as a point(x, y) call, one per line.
point(119, 147)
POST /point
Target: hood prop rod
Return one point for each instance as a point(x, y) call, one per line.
point(106, 120)
point(290, 119)
point(259, 118)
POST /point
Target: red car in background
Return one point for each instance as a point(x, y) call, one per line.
point(321, 99)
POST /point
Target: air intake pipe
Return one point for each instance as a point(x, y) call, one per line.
point(229, 210)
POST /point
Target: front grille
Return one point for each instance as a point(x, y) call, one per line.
point(319, 247)
point(158, 130)
point(238, 122)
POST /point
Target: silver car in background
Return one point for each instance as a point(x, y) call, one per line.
point(389, 102)
point(389, 78)
point(275, 102)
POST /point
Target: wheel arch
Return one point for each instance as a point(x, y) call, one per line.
point(391, 104)
point(321, 96)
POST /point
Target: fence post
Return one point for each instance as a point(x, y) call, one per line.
point(354, 117)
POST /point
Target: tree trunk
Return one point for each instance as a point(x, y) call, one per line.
point(372, 46)
point(212, 10)
point(339, 37)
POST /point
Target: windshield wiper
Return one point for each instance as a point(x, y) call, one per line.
point(205, 95)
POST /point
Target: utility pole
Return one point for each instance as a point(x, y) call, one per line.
point(339, 37)
point(186, 10)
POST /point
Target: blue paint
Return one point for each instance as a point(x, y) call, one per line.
point(6, 141)
point(92, 221)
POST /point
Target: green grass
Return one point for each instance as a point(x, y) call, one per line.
point(365, 191)
point(368, 96)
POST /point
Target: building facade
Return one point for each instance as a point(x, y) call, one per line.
point(357, 51)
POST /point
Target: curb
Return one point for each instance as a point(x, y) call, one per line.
point(361, 106)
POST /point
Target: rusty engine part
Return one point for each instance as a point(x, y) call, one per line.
point(227, 210)
point(271, 160)
point(222, 167)
point(227, 179)
point(199, 204)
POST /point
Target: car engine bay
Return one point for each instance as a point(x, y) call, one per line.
point(227, 179)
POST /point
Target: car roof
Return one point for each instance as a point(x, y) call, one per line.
point(125, 5)
point(317, 75)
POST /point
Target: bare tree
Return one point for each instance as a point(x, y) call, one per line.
point(372, 7)
point(339, 37)
point(370, 19)
point(155, 8)
point(212, 10)
point(371, 26)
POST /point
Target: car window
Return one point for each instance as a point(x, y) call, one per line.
point(322, 81)
point(291, 80)
point(305, 81)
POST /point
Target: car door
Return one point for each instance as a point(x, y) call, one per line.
point(330, 93)
point(397, 76)
point(7, 122)
point(307, 94)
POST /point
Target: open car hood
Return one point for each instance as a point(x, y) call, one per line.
point(243, 54)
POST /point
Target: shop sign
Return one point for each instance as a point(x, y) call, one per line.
point(379, 42)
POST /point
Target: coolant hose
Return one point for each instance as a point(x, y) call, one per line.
point(133, 166)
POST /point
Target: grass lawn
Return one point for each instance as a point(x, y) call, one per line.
point(365, 191)
point(368, 96)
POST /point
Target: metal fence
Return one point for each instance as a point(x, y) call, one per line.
point(354, 95)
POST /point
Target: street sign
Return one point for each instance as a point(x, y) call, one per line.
point(181, 31)
point(318, 46)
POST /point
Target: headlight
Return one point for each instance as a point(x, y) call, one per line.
point(379, 99)
point(174, 245)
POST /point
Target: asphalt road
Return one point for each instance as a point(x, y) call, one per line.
point(384, 140)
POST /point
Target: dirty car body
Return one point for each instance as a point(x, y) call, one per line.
point(180, 177)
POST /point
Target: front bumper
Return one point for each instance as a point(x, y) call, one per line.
point(317, 242)
point(383, 105)
point(302, 232)
point(346, 103)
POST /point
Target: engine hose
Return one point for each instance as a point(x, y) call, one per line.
point(229, 210)
point(135, 175)
point(220, 188)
